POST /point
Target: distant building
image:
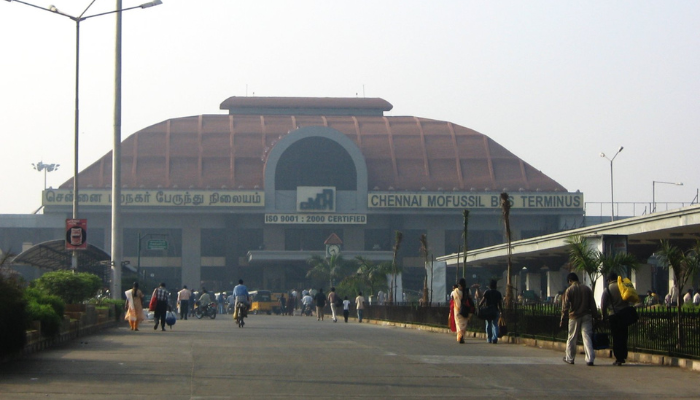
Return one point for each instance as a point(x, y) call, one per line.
point(212, 198)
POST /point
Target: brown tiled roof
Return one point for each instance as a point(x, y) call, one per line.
point(402, 153)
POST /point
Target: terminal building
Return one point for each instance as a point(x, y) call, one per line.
point(253, 192)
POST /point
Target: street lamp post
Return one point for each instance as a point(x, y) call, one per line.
point(653, 192)
point(40, 166)
point(612, 191)
point(117, 113)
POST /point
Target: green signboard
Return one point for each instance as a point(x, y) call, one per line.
point(157, 244)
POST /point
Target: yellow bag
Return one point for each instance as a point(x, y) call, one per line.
point(627, 290)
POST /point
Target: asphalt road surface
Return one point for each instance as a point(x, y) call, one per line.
point(283, 357)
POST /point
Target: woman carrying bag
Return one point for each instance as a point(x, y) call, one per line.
point(461, 309)
point(134, 307)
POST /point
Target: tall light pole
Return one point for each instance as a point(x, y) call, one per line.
point(612, 191)
point(653, 192)
point(40, 166)
point(78, 20)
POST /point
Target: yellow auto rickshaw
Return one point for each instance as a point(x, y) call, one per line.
point(261, 302)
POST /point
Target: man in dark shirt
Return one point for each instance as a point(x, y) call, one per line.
point(613, 298)
point(579, 306)
point(161, 296)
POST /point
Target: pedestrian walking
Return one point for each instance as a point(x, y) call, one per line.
point(360, 306)
point(220, 302)
point(183, 301)
point(493, 299)
point(462, 305)
point(579, 306)
point(161, 296)
point(333, 300)
point(320, 300)
point(134, 304)
point(291, 301)
point(283, 304)
point(346, 308)
point(612, 298)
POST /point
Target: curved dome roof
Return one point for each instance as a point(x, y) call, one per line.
point(402, 153)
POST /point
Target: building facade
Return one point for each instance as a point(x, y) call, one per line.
point(254, 193)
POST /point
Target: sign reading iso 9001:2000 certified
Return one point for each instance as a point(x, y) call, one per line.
point(316, 219)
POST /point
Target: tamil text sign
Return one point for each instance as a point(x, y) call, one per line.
point(158, 198)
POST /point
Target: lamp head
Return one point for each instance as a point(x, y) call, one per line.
point(620, 149)
point(151, 4)
point(602, 154)
point(53, 8)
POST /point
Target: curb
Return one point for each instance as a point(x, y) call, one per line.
point(685, 363)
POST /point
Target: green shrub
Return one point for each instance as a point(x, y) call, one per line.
point(58, 305)
point(50, 321)
point(45, 308)
point(13, 318)
point(71, 287)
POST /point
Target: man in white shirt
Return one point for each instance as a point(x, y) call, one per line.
point(183, 300)
point(360, 305)
point(306, 301)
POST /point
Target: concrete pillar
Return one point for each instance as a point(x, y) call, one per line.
point(191, 253)
point(439, 281)
point(533, 281)
point(641, 278)
point(555, 282)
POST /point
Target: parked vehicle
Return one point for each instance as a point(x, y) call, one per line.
point(261, 302)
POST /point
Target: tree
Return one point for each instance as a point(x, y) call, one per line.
point(425, 250)
point(584, 258)
point(327, 269)
point(595, 264)
point(394, 269)
point(71, 287)
point(13, 316)
point(684, 265)
point(465, 215)
point(370, 275)
point(505, 208)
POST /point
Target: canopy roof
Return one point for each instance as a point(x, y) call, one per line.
point(54, 256)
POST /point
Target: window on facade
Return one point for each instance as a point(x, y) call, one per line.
point(315, 161)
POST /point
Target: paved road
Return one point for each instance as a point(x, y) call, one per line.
point(277, 357)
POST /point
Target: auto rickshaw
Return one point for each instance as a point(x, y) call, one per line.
point(261, 302)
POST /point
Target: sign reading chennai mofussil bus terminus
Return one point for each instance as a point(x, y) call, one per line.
point(469, 200)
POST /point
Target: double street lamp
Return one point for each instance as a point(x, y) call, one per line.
point(653, 192)
point(612, 192)
point(78, 19)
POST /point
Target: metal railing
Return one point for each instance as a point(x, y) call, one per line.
point(630, 209)
point(656, 332)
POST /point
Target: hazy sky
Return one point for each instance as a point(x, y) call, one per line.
point(555, 82)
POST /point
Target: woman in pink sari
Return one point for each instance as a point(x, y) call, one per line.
point(134, 312)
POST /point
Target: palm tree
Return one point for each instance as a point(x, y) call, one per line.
point(465, 215)
point(584, 258)
point(684, 265)
point(327, 269)
point(394, 267)
point(370, 274)
point(426, 252)
point(595, 264)
point(505, 207)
